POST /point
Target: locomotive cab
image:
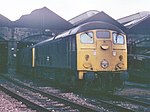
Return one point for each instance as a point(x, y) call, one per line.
point(99, 52)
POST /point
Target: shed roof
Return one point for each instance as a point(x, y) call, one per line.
point(138, 23)
point(97, 16)
point(35, 38)
point(43, 18)
point(83, 17)
point(4, 22)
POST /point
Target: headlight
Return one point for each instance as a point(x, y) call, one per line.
point(104, 64)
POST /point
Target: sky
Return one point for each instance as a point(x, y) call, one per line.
point(67, 9)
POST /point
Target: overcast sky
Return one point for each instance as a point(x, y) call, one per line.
point(13, 9)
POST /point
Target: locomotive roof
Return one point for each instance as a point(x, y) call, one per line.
point(90, 26)
point(85, 27)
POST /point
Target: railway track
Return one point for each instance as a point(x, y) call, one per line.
point(111, 103)
point(146, 104)
point(28, 103)
point(55, 102)
point(122, 104)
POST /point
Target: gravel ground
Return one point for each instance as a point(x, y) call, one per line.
point(132, 89)
point(9, 104)
point(136, 92)
point(129, 91)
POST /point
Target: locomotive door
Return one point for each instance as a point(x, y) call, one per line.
point(85, 48)
point(120, 50)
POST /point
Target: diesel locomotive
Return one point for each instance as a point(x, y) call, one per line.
point(93, 55)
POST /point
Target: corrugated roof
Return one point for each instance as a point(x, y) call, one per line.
point(43, 18)
point(141, 27)
point(134, 22)
point(83, 16)
point(138, 23)
point(99, 16)
point(4, 21)
point(134, 19)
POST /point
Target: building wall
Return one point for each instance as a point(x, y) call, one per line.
point(137, 40)
point(13, 36)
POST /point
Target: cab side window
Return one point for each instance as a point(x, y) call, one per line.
point(87, 38)
point(118, 38)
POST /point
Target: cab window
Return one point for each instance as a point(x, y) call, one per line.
point(118, 38)
point(102, 34)
point(87, 38)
